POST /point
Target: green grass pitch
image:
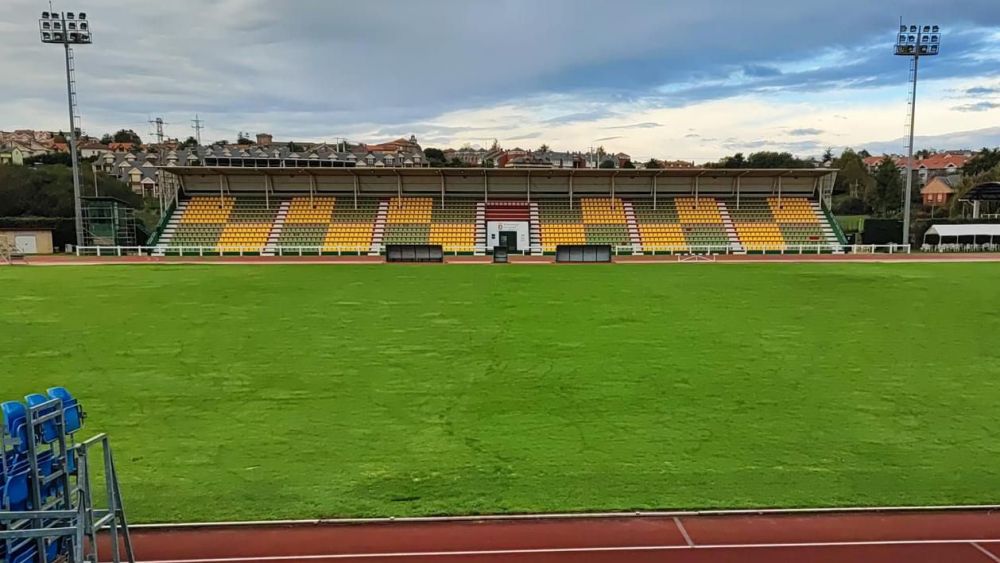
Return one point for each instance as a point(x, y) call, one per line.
point(259, 392)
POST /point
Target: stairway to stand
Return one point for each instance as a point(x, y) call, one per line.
point(378, 232)
point(480, 249)
point(535, 229)
point(735, 246)
point(829, 235)
point(276, 228)
point(170, 229)
point(633, 228)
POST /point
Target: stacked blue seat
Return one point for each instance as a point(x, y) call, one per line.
point(16, 475)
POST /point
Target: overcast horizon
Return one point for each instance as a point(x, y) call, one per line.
point(694, 81)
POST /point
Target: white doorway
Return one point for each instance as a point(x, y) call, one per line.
point(518, 230)
point(25, 244)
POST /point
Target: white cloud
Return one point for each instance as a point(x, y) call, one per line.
point(555, 71)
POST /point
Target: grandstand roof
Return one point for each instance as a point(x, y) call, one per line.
point(545, 182)
point(511, 172)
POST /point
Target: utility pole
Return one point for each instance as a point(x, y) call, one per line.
point(159, 123)
point(198, 126)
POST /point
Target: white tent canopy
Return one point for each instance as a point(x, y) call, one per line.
point(965, 231)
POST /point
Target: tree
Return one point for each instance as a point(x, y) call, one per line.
point(884, 195)
point(984, 160)
point(827, 155)
point(190, 142)
point(735, 161)
point(62, 158)
point(607, 164)
point(435, 157)
point(127, 136)
point(628, 164)
point(244, 140)
point(922, 153)
point(653, 164)
point(107, 139)
point(853, 178)
point(544, 149)
point(863, 153)
point(969, 182)
point(47, 190)
point(769, 159)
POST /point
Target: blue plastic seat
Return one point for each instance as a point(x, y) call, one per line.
point(49, 429)
point(71, 408)
point(52, 550)
point(15, 419)
point(14, 494)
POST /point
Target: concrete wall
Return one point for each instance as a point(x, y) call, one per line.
point(28, 241)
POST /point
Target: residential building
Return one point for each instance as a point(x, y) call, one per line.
point(29, 142)
point(925, 169)
point(11, 154)
point(89, 149)
point(140, 168)
point(467, 155)
point(676, 164)
point(940, 189)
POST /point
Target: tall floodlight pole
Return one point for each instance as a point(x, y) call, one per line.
point(914, 41)
point(68, 29)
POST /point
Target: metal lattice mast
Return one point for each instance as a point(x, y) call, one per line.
point(914, 41)
point(198, 126)
point(69, 29)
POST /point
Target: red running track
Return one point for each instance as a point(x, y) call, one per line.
point(952, 537)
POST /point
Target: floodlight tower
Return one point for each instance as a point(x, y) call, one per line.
point(68, 29)
point(914, 41)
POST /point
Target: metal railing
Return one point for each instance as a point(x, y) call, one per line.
point(620, 250)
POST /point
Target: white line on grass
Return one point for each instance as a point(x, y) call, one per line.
point(585, 515)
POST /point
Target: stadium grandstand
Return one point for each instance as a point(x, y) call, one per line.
point(473, 210)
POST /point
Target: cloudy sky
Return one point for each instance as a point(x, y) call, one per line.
point(688, 79)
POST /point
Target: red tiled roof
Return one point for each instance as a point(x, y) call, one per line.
point(932, 162)
point(942, 161)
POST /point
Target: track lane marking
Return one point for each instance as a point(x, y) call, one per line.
point(986, 552)
point(556, 550)
point(683, 531)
